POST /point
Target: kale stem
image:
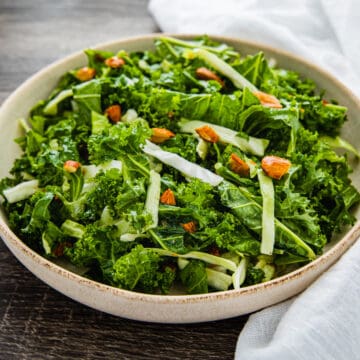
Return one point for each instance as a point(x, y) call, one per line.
point(170, 48)
point(157, 239)
point(190, 45)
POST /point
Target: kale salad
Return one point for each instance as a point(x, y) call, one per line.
point(188, 166)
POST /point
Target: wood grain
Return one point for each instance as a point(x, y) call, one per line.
point(37, 322)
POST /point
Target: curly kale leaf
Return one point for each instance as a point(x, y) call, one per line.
point(141, 269)
point(183, 145)
point(230, 235)
point(323, 176)
point(254, 276)
point(34, 220)
point(97, 245)
point(118, 140)
point(296, 212)
point(194, 277)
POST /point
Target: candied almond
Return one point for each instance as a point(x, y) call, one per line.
point(238, 165)
point(168, 197)
point(268, 100)
point(114, 62)
point(71, 166)
point(85, 73)
point(205, 74)
point(207, 133)
point(189, 227)
point(275, 166)
point(113, 112)
point(159, 135)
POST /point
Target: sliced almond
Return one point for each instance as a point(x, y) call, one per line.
point(85, 73)
point(189, 227)
point(268, 100)
point(206, 74)
point(168, 197)
point(275, 167)
point(239, 166)
point(113, 112)
point(71, 166)
point(114, 62)
point(159, 135)
point(207, 133)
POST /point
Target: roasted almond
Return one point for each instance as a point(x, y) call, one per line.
point(206, 74)
point(113, 112)
point(159, 135)
point(189, 227)
point(275, 166)
point(207, 133)
point(268, 100)
point(71, 166)
point(85, 73)
point(168, 197)
point(238, 165)
point(114, 62)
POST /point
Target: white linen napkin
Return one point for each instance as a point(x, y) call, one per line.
point(324, 321)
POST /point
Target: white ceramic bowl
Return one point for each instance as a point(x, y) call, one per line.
point(172, 308)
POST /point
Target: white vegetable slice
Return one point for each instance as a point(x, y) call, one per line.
point(202, 148)
point(239, 275)
point(216, 279)
point(182, 263)
point(21, 191)
point(129, 116)
point(45, 244)
point(198, 255)
point(251, 145)
point(131, 237)
point(90, 171)
point(268, 213)
point(153, 198)
point(112, 164)
point(225, 69)
point(186, 167)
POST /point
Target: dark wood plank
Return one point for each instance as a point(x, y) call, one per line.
point(36, 322)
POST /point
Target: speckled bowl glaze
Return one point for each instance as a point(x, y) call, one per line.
point(171, 308)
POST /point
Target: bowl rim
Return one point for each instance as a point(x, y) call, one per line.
point(329, 256)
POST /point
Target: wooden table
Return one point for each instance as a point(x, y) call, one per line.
point(36, 322)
